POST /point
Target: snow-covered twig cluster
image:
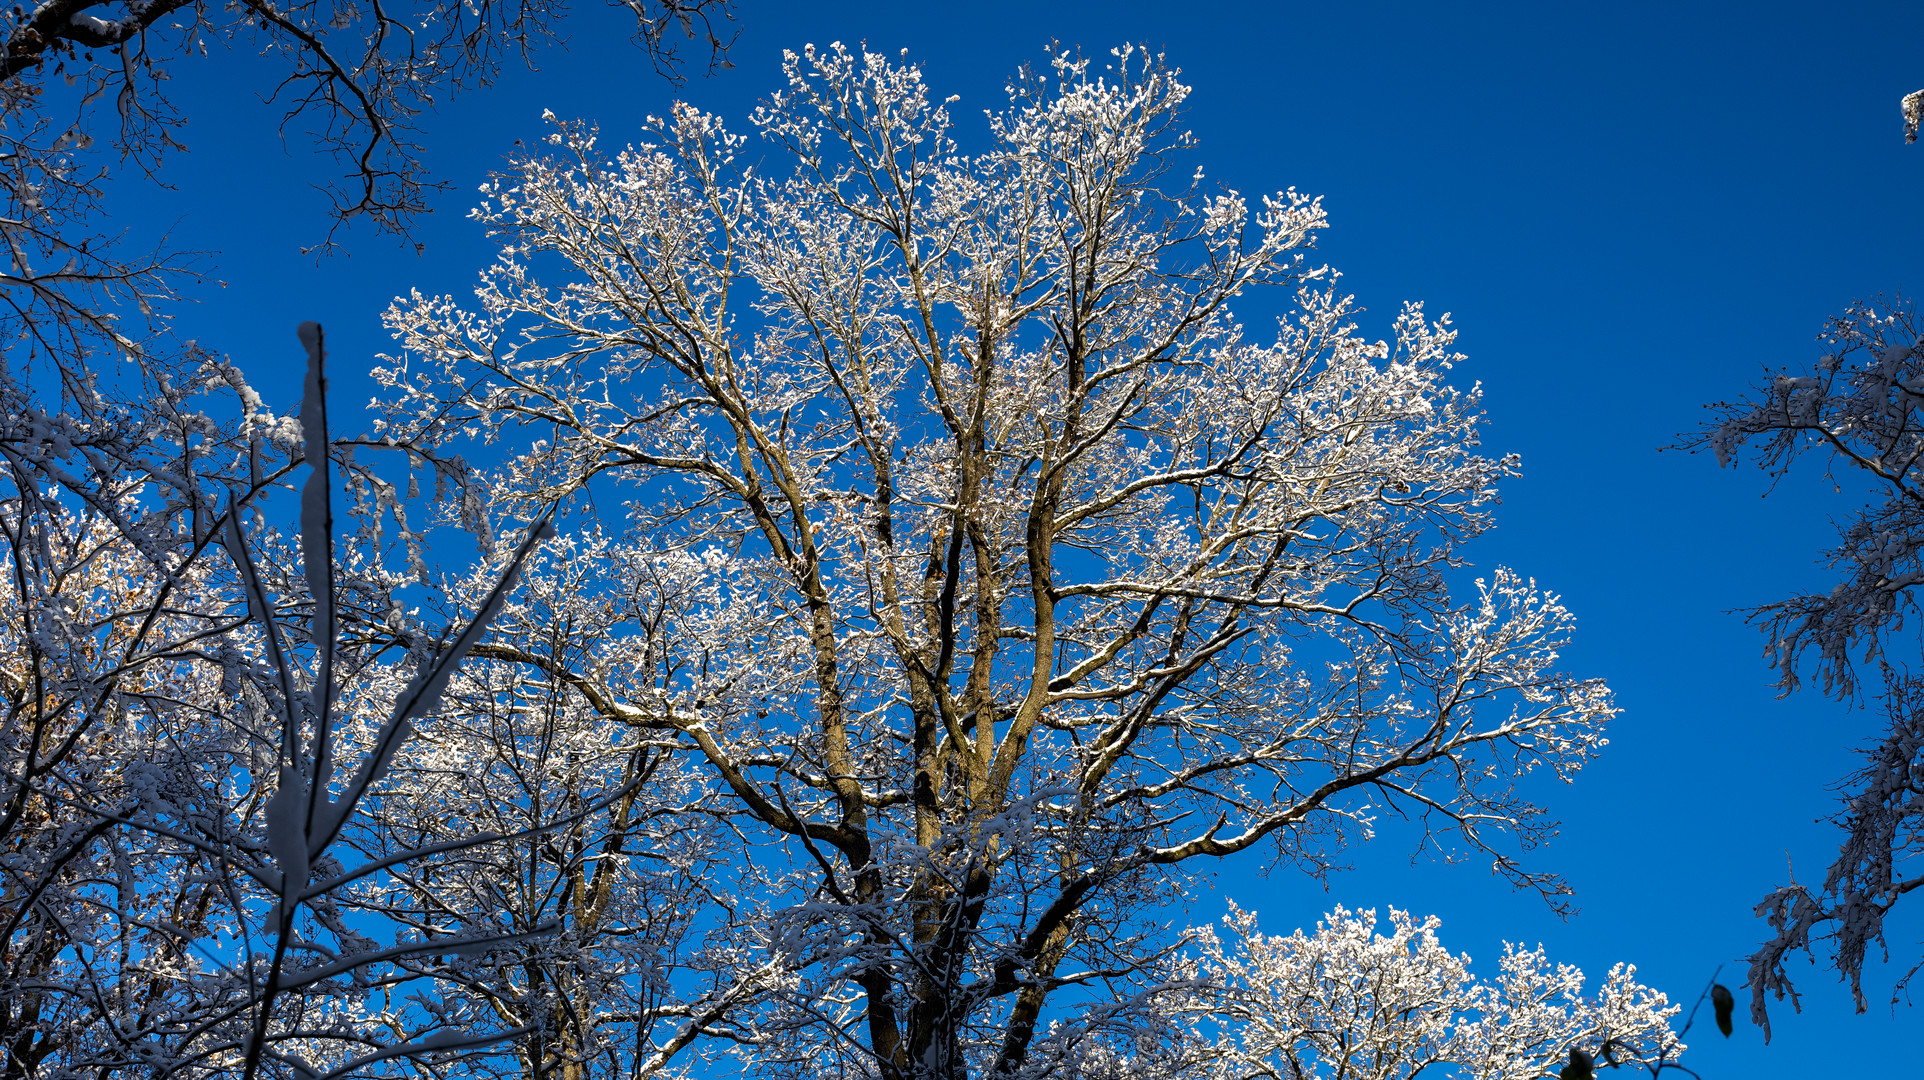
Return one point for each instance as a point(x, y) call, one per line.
point(1859, 407)
point(1348, 1001)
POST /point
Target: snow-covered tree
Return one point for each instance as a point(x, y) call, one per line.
point(83, 698)
point(1346, 1001)
point(609, 848)
point(126, 838)
point(107, 528)
point(985, 577)
point(204, 825)
point(1858, 408)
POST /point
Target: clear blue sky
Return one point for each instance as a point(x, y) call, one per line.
point(1630, 209)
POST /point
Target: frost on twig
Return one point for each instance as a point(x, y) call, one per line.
point(1859, 408)
point(304, 818)
point(1346, 1000)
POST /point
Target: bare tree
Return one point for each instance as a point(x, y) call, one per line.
point(83, 98)
point(358, 76)
point(998, 579)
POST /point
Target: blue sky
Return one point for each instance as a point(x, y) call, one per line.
point(1631, 210)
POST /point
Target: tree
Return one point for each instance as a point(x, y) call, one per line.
point(197, 856)
point(1858, 407)
point(106, 521)
point(75, 609)
point(72, 292)
point(359, 76)
point(621, 884)
point(133, 860)
point(1346, 1001)
point(995, 579)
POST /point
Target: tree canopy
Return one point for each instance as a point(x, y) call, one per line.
point(977, 556)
